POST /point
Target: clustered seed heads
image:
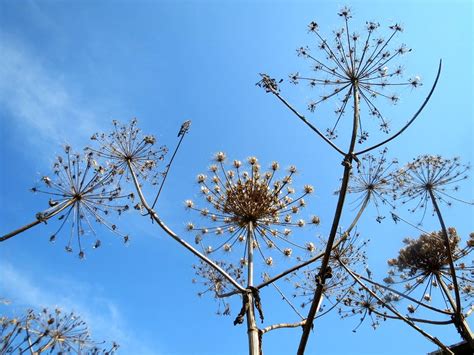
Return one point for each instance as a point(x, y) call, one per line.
point(427, 254)
point(126, 147)
point(350, 60)
point(423, 264)
point(82, 193)
point(46, 331)
point(237, 197)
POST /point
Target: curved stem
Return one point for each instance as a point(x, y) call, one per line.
point(337, 217)
point(410, 121)
point(173, 235)
point(411, 319)
point(401, 294)
point(394, 311)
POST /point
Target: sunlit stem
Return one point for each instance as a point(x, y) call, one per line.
point(394, 311)
point(173, 235)
point(38, 220)
point(252, 330)
point(449, 253)
point(459, 321)
point(335, 224)
point(282, 325)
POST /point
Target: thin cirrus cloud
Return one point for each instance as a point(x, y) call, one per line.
point(22, 290)
point(37, 100)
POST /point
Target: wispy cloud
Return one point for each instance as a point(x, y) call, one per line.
point(32, 290)
point(38, 100)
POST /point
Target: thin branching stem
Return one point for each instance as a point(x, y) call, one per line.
point(173, 235)
point(337, 217)
point(44, 218)
point(394, 311)
point(303, 118)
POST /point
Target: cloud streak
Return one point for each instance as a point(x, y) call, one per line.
point(37, 100)
point(103, 317)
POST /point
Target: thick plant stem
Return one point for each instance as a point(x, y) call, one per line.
point(449, 253)
point(38, 221)
point(459, 319)
point(154, 217)
point(321, 278)
point(252, 330)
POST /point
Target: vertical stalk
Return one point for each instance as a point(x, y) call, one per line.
point(335, 224)
point(459, 322)
point(252, 330)
point(459, 319)
point(449, 252)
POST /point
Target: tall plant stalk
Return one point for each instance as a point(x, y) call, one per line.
point(321, 278)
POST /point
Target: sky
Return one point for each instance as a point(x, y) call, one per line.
point(68, 68)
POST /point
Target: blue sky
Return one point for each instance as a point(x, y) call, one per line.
point(68, 68)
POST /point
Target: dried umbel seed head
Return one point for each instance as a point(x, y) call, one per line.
point(82, 193)
point(430, 174)
point(350, 63)
point(250, 200)
point(127, 149)
point(49, 331)
point(427, 254)
point(373, 180)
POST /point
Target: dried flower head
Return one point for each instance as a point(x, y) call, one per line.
point(46, 331)
point(82, 193)
point(238, 197)
point(373, 180)
point(213, 282)
point(354, 62)
point(126, 147)
point(337, 282)
point(361, 303)
point(429, 174)
point(423, 263)
point(427, 254)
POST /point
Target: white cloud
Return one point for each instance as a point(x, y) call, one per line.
point(31, 290)
point(38, 99)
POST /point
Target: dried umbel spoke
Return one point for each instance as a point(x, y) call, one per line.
point(430, 174)
point(337, 281)
point(82, 194)
point(422, 267)
point(373, 181)
point(363, 60)
point(358, 302)
point(127, 145)
point(48, 332)
point(236, 197)
point(213, 282)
